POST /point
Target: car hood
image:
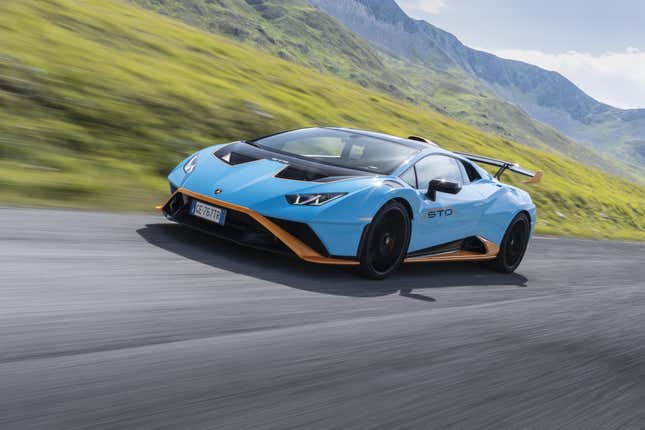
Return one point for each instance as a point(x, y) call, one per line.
point(258, 183)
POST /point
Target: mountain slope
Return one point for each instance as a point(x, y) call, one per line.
point(299, 32)
point(546, 96)
point(99, 99)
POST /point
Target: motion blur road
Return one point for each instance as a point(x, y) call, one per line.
point(130, 321)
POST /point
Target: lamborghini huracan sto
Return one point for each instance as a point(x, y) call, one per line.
point(355, 198)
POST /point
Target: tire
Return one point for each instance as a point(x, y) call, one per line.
point(513, 246)
point(385, 241)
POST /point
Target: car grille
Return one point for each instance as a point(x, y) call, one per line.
point(239, 227)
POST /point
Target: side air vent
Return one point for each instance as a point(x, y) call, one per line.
point(298, 174)
point(474, 244)
point(304, 233)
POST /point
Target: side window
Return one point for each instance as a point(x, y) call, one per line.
point(437, 167)
point(356, 152)
point(473, 174)
point(410, 177)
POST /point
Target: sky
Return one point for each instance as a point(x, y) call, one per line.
point(598, 44)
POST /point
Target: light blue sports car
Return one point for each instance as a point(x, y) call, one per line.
point(357, 198)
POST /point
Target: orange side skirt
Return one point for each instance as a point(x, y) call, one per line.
point(491, 252)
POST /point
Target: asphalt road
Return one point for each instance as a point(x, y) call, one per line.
point(126, 321)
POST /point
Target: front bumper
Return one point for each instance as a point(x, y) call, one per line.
point(251, 228)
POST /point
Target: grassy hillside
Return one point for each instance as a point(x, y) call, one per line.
point(98, 99)
point(297, 31)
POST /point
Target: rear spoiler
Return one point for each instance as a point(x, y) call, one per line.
point(504, 166)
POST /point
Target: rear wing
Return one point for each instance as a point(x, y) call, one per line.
point(504, 166)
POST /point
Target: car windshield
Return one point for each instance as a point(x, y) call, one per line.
point(344, 148)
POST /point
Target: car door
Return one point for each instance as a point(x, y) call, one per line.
point(449, 217)
point(492, 216)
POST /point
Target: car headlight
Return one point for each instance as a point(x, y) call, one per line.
point(190, 165)
point(313, 199)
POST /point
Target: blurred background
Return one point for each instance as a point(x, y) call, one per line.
point(99, 99)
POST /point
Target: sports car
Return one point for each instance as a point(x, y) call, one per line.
point(355, 198)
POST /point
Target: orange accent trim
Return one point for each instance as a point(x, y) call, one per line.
point(301, 249)
point(491, 252)
point(306, 253)
point(535, 179)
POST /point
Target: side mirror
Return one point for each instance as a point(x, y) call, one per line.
point(442, 186)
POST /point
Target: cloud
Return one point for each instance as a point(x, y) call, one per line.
point(615, 78)
point(414, 7)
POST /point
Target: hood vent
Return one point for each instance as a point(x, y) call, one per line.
point(229, 156)
point(296, 168)
point(297, 174)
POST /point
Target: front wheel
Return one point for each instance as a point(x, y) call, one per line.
point(513, 246)
point(386, 241)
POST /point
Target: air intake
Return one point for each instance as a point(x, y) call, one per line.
point(298, 174)
point(232, 157)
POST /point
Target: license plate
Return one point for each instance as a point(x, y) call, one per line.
point(211, 213)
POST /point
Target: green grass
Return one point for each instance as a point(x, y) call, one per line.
point(99, 99)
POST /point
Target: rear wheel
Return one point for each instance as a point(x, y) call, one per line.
point(513, 245)
point(386, 241)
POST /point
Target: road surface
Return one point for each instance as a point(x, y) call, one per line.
point(128, 321)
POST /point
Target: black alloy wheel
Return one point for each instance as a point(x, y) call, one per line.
point(513, 245)
point(385, 242)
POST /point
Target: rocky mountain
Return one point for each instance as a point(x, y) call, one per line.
point(298, 31)
point(545, 95)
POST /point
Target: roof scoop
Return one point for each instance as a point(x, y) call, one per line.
point(422, 139)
